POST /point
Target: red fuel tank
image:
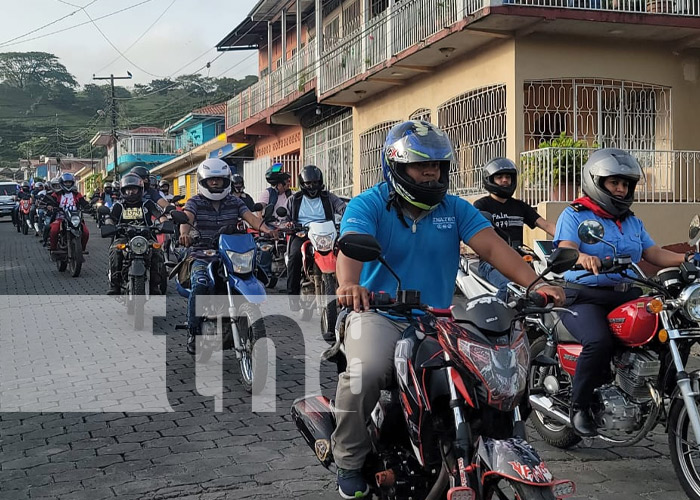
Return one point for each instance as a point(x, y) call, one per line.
point(568, 356)
point(632, 324)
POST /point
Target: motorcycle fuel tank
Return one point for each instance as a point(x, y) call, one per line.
point(632, 324)
point(568, 356)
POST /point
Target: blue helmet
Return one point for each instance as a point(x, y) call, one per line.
point(417, 142)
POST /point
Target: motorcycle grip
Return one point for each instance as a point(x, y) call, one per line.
point(538, 299)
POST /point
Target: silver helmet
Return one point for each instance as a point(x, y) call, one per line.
point(610, 162)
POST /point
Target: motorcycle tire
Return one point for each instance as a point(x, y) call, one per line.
point(329, 314)
point(680, 443)
point(513, 490)
point(139, 296)
point(75, 260)
point(25, 227)
point(251, 328)
point(554, 433)
point(272, 283)
point(62, 264)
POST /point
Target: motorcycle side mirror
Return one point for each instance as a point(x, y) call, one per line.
point(362, 247)
point(281, 212)
point(257, 207)
point(591, 232)
point(167, 227)
point(177, 198)
point(268, 213)
point(562, 259)
point(103, 210)
point(179, 217)
point(694, 231)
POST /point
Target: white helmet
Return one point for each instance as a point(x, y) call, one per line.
point(211, 168)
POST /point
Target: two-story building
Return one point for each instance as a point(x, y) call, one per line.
point(500, 77)
point(197, 136)
point(142, 146)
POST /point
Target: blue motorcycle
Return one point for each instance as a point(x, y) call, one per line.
point(236, 322)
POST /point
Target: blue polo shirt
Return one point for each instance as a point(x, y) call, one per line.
point(632, 241)
point(427, 259)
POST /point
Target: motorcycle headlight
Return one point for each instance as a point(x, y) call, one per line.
point(690, 298)
point(322, 242)
point(242, 262)
point(75, 220)
point(139, 245)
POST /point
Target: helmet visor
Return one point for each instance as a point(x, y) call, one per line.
point(414, 148)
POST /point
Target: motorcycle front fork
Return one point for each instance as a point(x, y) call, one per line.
point(463, 439)
point(686, 388)
point(237, 345)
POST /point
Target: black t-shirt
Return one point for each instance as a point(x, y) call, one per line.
point(139, 213)
point(247, 199)
point(509, 217)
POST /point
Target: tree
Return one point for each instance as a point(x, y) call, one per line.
point(161, 85)
point(196, 85)
point(34, 147)
point(23, 70)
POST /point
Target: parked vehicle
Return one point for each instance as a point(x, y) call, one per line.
point(451, 426)
point(137, 255)
point(648, 382)
point(236, 323)
point(69, 248)
point(8, 190)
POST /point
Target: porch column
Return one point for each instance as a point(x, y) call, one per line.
point(284, 35)
point(389, 30)
point(366, 34)
point(319, 45)
point(299, 61)
point(269, 62)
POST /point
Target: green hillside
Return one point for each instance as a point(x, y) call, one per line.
point(42, 117)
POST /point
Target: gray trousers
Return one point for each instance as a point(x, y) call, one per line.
point(370, 340)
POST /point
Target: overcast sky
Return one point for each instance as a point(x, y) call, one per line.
point(186, 30)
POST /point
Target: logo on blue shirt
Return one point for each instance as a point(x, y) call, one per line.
point(444, 222)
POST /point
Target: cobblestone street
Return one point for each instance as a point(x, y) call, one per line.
point(197, 452)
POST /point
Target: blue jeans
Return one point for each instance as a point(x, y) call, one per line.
point(265, 261)
point(494, 276)
point(199, 285)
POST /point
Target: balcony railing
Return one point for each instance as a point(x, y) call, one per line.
point(291, 77)
point(147, 145)
point(554, 174)
point(403, 25)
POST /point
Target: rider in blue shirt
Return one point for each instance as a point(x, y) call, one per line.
point(609, 178)
point(420, 228)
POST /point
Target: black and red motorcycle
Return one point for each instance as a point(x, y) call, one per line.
point(451, 426)
point(647, 383)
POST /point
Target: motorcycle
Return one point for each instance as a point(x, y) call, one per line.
point(137, 254)
point(23, 223)
point(451, 426)
point(319, 283)
point(648, 382)
point(69, 248)
point(237, 322)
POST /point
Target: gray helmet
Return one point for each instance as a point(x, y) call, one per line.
point(500, 166)
point(610, 162)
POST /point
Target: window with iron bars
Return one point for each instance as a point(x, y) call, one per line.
point(601, 112)
point(476, 125)
point(329, 147)
point(421, 114)
point(371, 143)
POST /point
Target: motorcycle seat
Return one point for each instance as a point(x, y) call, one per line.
point(561, 334)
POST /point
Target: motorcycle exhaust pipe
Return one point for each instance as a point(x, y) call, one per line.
point(544, 405)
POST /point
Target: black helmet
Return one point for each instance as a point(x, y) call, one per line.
point(107, 187)
point(25, 187)
point(500, 166)
point(275, 175)
point(311, 181)
point(610, 162)
point(238, 183)
point(67, 182)
point(143, 173)
point(417, 142)
point(131, 180)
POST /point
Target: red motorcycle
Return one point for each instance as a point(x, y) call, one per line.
point(25, 207)
point(451, 425)
point(648, 381)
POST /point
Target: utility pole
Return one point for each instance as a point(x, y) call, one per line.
point(111, 78)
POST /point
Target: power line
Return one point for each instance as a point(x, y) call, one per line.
point(8, 44)
point(141, 36)
point(46, 25)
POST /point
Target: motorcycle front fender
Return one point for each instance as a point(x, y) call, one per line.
point(137, 268)
point(75, 232)
point(326, 263)
point(513, 459)
point(250, 288)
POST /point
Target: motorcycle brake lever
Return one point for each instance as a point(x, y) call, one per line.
point(564, 309)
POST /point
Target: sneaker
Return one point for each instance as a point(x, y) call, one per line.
point(114, 290)
point(191, 344)
point(351, 484)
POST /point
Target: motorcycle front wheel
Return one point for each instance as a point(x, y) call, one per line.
point(75, 261)
point(251, 328)
point(506, 489)
point(329, 314)
point(25, 227)
point(685, 451)
point(138, 296)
